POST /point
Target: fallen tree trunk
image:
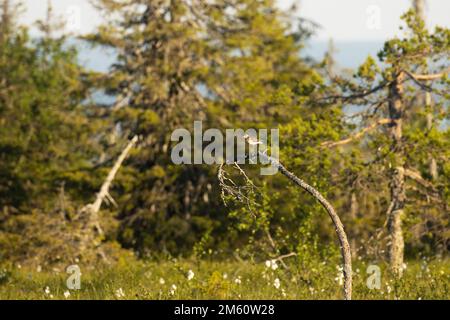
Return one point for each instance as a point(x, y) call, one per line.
point(104, 190)
point(90, 211)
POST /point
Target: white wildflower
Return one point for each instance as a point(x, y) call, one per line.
point(173, 288)
point(120, 293)
point(272, 264)
point(66, 294)
point(340, 276)
point(225, 276)
point(190, 275)
point(277, 283)
point(47, 290)
point(162, 281)
point(238, 280)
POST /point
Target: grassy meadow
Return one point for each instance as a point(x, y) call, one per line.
point(200, 279)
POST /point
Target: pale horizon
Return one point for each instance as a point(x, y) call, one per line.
point(345, 20)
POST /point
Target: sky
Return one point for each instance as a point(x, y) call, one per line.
point(343, 20)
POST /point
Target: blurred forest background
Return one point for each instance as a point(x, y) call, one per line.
point(374, 140)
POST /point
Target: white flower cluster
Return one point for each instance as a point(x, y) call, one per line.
point(272, 264)
point(277, 283)
point(173, 288)
point(340, 276)
point(120, 293)
point(47, 292)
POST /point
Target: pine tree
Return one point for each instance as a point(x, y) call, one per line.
point(399, 142)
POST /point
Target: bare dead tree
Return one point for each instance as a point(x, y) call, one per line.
point(419, 7)
point(342, 236)
point(232, 189)
point(91, 211)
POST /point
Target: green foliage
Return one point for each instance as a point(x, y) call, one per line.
point(46, 146)
point(231, 64)
point(228, 64)
point(369, 160)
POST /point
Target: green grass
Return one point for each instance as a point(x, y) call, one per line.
point(225, 280)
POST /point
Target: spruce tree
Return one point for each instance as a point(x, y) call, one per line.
point(47, 148)
point(231, 64)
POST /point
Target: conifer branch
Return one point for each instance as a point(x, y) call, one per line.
point(359, 134)
point(428, 77)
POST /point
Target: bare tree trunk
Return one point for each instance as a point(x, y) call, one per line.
point(419, 7)
point(92, 209)
point(395, 216)
point(432, 166)
point(342, 236)
point(397, 183)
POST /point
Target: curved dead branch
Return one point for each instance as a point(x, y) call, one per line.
point(92, 209)
point(343, 240)
point(342, 236)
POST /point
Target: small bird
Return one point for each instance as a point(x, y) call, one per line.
point(251, 141)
